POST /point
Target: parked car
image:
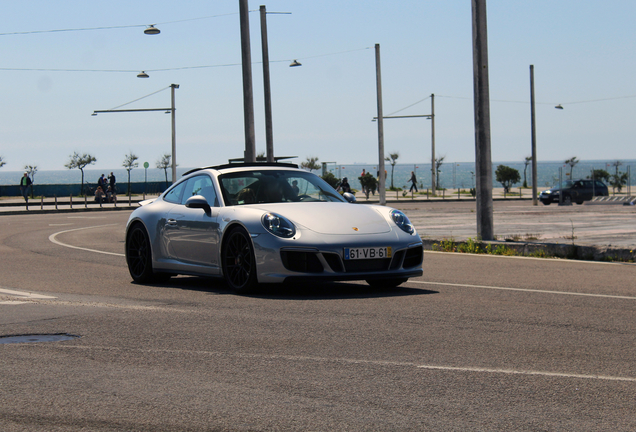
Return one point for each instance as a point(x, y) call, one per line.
point(575, 191)
point(268, 223)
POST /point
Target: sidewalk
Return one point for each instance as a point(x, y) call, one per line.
point(13, 205)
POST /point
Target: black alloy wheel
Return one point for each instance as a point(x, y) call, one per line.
point(139, 254)
point(239, 264)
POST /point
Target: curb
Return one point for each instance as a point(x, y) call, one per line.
point(551, 250)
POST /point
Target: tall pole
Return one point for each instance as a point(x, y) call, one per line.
point(248, 97)
point(174, 132)
point(381, 179)
point(269, 134)
point(483, 162)
point(534, 138)
point(433, 169)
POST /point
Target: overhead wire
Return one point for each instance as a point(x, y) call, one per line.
point(113, 27)
point(143, 97)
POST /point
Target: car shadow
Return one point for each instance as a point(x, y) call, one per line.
point(296, 291)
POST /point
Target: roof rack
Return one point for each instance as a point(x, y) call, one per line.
point(244, 164)
point(262, 159)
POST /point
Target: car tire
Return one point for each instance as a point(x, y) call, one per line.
point(546, 202)
point(386, 283)
point(139, 254)
point(239, 263)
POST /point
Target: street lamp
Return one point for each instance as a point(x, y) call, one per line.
point(171, 110)
point(152, 30)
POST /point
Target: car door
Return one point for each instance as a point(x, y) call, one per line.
point(194, 232)
point(576, 191)
point(587, 192)
point(172, 198)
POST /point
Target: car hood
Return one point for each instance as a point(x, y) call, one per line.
point(333, 218)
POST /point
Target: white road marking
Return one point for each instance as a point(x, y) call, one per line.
point(12, 302)
point(24, 294)
point(53, 239)
point(523, 290)
point(369, 362)
point(63, 224)
point(527, 372)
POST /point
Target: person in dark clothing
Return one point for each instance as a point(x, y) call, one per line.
point(413, 180)
point(345, 185)
point(25, 183)
point(111, 181)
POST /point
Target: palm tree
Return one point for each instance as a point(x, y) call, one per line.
point(526, 162)
point(438, 165)
point(80, 162)
point(311, 164)
point(392, 158)
point(572, 162)
point(164, 164)
point(130, 162)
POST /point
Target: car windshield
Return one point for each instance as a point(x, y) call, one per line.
point(275, 186)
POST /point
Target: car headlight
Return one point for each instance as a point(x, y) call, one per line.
point(278, 225)
point(402, 221)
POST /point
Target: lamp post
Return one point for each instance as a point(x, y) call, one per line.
point(381, 179)
point(269, 134)
point(533, 127)
point(248, 94)
point(171, 110)
point(481, 90)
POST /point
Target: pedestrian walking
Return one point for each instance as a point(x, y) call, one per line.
point(413, 180)
point(364, 190)
point(25, 184)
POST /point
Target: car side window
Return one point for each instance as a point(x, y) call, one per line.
point(174, 194)
point(200, 185)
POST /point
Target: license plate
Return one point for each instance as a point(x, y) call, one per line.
point(367, 253)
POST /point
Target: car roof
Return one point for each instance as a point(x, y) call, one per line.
point(244, 165)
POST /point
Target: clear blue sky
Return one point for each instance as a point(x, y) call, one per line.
point(583, 53)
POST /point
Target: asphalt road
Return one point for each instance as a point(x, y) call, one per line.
point(477, 343)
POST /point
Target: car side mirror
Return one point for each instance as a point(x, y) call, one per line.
point(198, 202)
point(349, 197)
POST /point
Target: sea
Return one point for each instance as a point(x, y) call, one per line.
point(452, 175)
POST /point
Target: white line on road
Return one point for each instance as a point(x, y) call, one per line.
point(53, 239)
point(526, 372)
point(24, 294)
point(359, 361)
point(523, 290)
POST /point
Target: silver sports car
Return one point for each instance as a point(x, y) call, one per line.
point(268, 223)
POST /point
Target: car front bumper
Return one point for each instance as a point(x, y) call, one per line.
point(317, 259)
